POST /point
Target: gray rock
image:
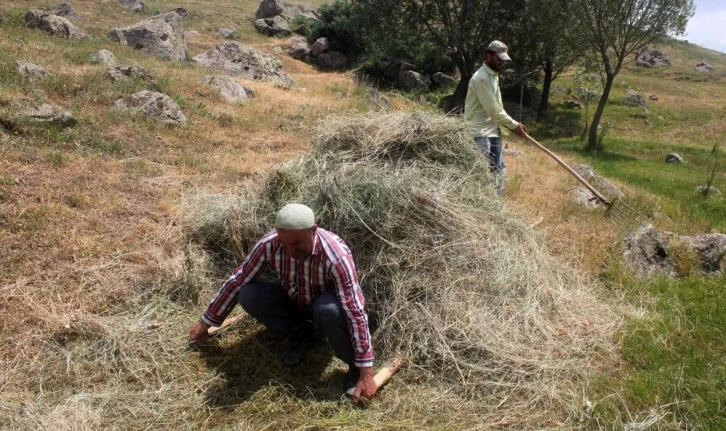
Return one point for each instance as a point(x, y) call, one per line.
point(600, 184)
point(320, 46)
point(712, 190)
point(652, 58)
point(227, 33)
point(409, 80)
point(52, 24)
point(66, 10)
point(46, 113)
point(571, 104)
point(153, 105)
point(227, 88)
point(674, 158)
point(270, 8)
point(119, 73)
point(275, 26)
point(646, 252)
point(104, 57)
point(240, 60)
point(294, 12)
point(704, 67)
point(180, 11)
point(32, 71)
point(708, 249)
point(161, 36)
point(633, 99)
point(443, 80)
point(585, 198)
point(332, 60)
point(299, 48)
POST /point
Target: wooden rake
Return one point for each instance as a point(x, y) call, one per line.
point(617, 212)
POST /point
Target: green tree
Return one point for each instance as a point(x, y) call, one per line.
point(616, 29)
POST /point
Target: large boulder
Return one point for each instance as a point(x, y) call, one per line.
point(161, 36)
point(52, 24)
point(120, 73)
point(299, 48)
point(32, 71)
point(442, 80)
point(707, 249)
point(704, 67)
point(652, 58)
point(66, 10)
point(227, 88)
point(598, 182)
point(240, 60)
point(270, 8)
point(321, 45)
point(294, 12)
point(46, 113)
point(153, 105)
point(104, 57)
point(274, 26)
point(332, 60)
point(411, 81)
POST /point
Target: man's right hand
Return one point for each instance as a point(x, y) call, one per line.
point(199, 332)
point(520, 130)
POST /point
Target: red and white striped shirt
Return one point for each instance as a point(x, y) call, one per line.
point(330, 266)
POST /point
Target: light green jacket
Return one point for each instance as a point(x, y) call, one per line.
point(483, 107)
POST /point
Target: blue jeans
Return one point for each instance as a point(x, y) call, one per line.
point(491, 147)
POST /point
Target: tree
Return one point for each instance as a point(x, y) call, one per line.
point(460, 27)
point(616, 29)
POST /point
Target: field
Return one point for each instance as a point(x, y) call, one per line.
point(100, 283)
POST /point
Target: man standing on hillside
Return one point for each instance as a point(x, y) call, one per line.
point(483, 108)
point(318, 284)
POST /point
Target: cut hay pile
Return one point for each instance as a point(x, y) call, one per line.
point(459, 286)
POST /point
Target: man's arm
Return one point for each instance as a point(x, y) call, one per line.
point(491, 106)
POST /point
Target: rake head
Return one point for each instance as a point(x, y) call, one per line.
point(625, 217)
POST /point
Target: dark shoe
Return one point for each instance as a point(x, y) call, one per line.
point(299, 342)
point(351, 380)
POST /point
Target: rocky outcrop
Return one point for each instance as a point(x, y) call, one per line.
point(161, 36)
point(66, 10)
point(240, 60)
point(153, 105)
point(652, 58)
point(52, 24)
point(299, 48)
point(412, 81)
point(46, 113)
point(275, 26)
point(32, 71)
point(599, 183)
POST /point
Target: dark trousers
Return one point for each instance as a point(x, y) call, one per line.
point(270, 305)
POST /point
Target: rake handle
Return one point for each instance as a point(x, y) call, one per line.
point(577, 176)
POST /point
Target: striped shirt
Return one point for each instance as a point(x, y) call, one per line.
point(330, 266)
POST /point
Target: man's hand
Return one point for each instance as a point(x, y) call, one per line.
point(520, 130)
point(198, 332)
point(366, 388)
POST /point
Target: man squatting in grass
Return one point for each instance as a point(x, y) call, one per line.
point(318, 283)
point(483, 108)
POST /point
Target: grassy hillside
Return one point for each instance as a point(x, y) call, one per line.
point(100, 285)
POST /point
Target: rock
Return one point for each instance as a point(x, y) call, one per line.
point(332, 60)
point(704, 67)
point(275, 26)
point(299, 48)
point(442, 80)
point(571, 104)
point(651, 58)
point(153, 105)
point(103, 56)
point(269, 8)
point(600, 184)
point(180, 11)
point(300, 13)
point(32, 71)
point(240, 60)
point(161, 36)
point(585, 198)
point(708, 249)
point(46, 113)
point(227, 88)
point(227, 33)
point(66, 10)
point(712, 190)
point(118, 73)
point(646, 252)
point(410, 81)
point(633, 99)
point(320, 46)
point(52, 24)
point(674, 158)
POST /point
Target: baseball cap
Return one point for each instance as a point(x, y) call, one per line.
point(500, 49)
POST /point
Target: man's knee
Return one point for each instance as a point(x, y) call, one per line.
point(327, 313)
point(249, 298)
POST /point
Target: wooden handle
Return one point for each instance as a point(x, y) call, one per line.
point(227, 322)
point(384, 374)
point(597, 194)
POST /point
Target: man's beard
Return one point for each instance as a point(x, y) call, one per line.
point(493, 66)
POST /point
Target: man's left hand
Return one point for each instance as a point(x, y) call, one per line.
point(366, 388)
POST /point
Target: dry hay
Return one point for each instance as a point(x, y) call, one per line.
point(466, 291)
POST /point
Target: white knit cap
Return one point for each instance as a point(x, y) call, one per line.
point(295, 217)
